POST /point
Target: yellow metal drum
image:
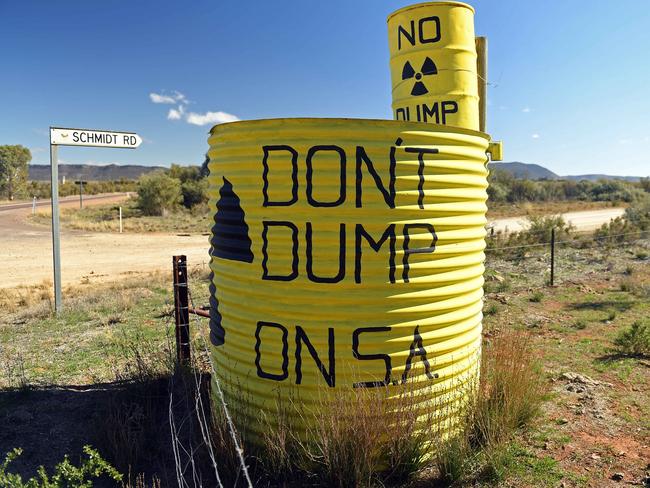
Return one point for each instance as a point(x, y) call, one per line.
point(433, 64)
point(345, 254)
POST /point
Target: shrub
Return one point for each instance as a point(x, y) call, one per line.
point(65, 474)
point(536, 297)
point(195, 192)
point(635, 340)
point(509, 397)
point(158, 193)
point(580, 324)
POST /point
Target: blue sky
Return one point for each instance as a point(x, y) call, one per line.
point(571, 80)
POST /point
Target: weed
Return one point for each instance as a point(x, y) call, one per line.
point(580, 324)
point(491, 309)
point(635, 340)
point(65, 474)
point(537, 296)
point(504, 286)
point(611, 315)
point(509, 397)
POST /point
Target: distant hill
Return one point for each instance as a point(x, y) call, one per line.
point(41, 172)
point(536, 172)
point(600, 177)
point(526, 171)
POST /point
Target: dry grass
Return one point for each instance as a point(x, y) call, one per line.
point(504, 210)
point(396, 435)
point(509, 397)
point(105, 218)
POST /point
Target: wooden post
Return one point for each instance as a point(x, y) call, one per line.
point(552, 256)
point(482, 73)
point(181, 310)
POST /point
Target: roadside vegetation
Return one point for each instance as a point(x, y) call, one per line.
point(510, 196)
point(562, 397)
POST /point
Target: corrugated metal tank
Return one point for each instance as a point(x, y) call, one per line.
point(345, 253)
point(433, 64)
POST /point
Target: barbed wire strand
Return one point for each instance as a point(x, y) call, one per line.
point(222, 399)
point(547, 243)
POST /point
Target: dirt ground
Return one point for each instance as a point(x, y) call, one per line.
point(87, 257)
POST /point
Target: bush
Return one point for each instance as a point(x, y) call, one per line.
point(635, 340)
point(195, 192)
point(66, 474)
point(509, 397)
point(158, 193)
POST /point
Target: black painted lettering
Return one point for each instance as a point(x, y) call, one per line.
point(265, 176)
point(402, 114)
point(370, 357)
point(448, 107)
point(330, 373)
point(75, 136)
point(360, 232)
point(431, 111)
point(388, 194)
point(421, 151)
point(285, 352)
point(310, 175)
point(417, 350)
point(419, 250)
point(409, 35)
point(435, 36)
point(310, 258)
point(294, 251)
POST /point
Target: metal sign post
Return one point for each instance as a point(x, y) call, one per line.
point(56, 242)
point(76, 137)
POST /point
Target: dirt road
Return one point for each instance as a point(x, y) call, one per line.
point(70, 201)
point(582, 221)
point(26, 250)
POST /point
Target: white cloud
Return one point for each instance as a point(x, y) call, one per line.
point(175, 97)
point(535, 136)
point(210, 118)
point(525, 110)
point(178, 113)
point(175, 113)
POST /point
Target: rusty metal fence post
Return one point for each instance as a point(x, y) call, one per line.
point(181, 310)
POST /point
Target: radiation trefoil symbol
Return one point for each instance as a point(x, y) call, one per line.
point(428, 68)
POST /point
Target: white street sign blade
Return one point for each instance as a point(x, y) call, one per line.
point(96, 138)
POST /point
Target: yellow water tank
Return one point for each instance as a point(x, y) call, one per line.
point(433, 64)
point(345, 254)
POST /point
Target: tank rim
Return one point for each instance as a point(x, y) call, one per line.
point(430, 4)
point(410, 125)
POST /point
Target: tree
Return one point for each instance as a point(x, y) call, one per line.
point(158, 193)
point(185, 173)
point(205, 169)
point(194, 192)
point(13, 169)
point(645, 184)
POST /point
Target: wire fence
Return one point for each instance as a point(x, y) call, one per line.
point(508, 268)
point(576, 259)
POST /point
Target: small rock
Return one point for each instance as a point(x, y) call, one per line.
point(595, 457)
point(579, 378)
point(562, 421)
point(618, 476)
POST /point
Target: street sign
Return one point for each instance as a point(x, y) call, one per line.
point(97, 138)
point(61, 136)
